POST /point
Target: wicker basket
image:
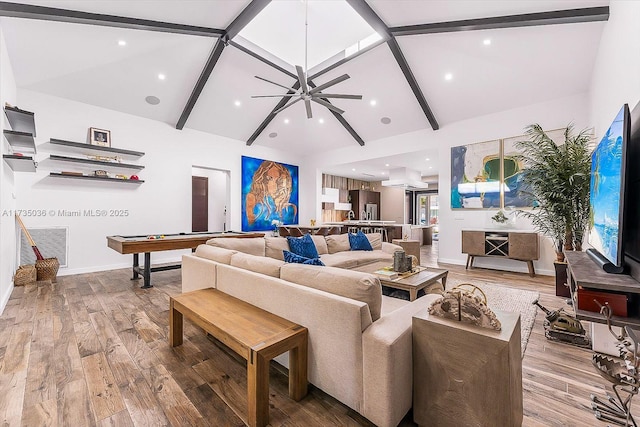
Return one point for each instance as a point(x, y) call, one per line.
point(47, 269)
point(25, 275)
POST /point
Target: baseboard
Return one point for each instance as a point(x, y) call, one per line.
point(5, 298)
point(493, 266)
point(95, 269)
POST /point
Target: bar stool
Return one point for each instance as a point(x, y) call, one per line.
point(367, 230)
point(383, 233)
point(352, 230)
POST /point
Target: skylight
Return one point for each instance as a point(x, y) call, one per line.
point(333, 27)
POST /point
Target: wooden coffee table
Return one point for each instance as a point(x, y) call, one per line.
point(255, 334)
point(426, 279)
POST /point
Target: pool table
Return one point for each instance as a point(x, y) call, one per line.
point(163, 242)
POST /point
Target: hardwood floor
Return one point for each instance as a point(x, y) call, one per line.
point(92, 350)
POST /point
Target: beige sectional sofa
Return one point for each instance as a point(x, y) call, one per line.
point(359, 340)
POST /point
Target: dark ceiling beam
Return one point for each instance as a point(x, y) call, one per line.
point(263, 59)
point(341, 119)
point(247, 14)
point(570, 16)
point(17, 10)
point(272, 114)
point(368, 14)
point(202, 81)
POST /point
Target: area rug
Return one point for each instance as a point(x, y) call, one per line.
point(508, 299)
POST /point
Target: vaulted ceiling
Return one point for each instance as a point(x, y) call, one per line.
point(520, 66)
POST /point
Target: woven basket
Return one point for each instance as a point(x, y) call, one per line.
point(47, 269)
point(25, 275)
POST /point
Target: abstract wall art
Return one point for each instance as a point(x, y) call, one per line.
point(269, 194)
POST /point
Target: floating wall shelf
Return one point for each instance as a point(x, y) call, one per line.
point(20, 140)
point(96, 178)
point(21, 120)
point(96, 162)
point(93, 149)
point(20, 163)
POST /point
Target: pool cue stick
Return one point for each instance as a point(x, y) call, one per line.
point(30, 239)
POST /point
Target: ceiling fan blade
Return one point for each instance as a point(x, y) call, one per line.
point(307, 105)
point(336, 95)
point(274, 83)
point(288, 105)
point(275, 96)
point(329, 83)
point(328, 105)
point(303, 80)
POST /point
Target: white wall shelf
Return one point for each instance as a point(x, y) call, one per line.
point(20, 163)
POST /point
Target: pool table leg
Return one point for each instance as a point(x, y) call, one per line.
point(147, 271)
point(136, 264)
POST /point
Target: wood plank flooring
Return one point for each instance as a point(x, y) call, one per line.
point(92, 350)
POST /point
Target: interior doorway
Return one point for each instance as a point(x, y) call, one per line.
point(216, 201)
point(199, 204)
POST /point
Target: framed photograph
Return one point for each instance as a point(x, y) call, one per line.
point(100, 137)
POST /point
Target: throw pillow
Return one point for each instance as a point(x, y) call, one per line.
point(303, 246)
point(359, 242)
point(295, 258)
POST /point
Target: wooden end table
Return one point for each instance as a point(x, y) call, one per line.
point(411, 247)
point(427, 279)
point(255, 334)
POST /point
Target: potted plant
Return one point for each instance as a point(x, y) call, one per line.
point(557, 179)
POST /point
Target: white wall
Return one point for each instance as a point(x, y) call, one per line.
point(162, 204)
point(7, 188)
point(616, 76)
point(219, 196)
point(392, 204)
point(551, 115)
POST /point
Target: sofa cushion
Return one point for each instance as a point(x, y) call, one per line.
point(248, 245)
point(273, 247)
point(350, 284)
point(375, 239)
point(303, 246)
point(259, 264)
point(213, 253)
point(295, 258)
point(359, 242)
point(337, 243)
point(340, 260)
point(321, 244)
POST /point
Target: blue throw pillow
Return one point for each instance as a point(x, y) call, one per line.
point(291, 257)
point(359, 242)
point(303, 246)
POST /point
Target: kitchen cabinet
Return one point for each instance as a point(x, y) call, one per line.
point(360, 199)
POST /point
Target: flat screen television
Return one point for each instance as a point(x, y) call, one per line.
point(631, 242)
point(608, 178)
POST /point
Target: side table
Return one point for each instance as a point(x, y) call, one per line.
point(411, 247)
point(465, 375)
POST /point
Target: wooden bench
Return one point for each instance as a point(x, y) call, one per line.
point(256, 335)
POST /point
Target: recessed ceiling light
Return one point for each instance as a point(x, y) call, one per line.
point(430, 167)
point(237, 103)
point(286, 121)
point(383, 173)
point(386, 164)
point(122, 43)
point(320, 121)
point(353, 169)
point(448, 76)
point(385, 120)
point(273, 135)
point(373, 102)
point(153, 100)
point(162, 76)
point(427, 159)
point(486, 42)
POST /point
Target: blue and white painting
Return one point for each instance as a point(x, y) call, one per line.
point(269, 194)
point(606, 180)
point(475, 176)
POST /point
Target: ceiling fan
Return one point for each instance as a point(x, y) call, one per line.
point(304, 93)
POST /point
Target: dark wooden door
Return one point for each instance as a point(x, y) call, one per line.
point(199, 203)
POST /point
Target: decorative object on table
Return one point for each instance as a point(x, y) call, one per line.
point(73, 173)
point(312, 222)
point(562, 327)
point(557, 179)
point(121, 176)
point(111, 159)
point(401, 263)
point(100, 173)
point(504, 218)
point(462, 304)
point(25, 275)
point(621, 373)
point(100, 137)
point(269, 192)
point(46, 268)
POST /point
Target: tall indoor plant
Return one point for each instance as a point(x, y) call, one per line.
point(557, 178)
